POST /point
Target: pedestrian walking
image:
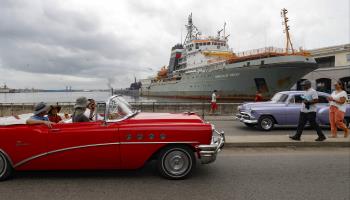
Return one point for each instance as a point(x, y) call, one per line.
point(308, 112)
point(258, 96)
point(337, 109)
point(213, 105)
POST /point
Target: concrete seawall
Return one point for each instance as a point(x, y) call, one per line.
point(201, 109)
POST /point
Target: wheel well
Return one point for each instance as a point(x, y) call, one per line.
point(7, 157)
point(155, 154)
point(274, 119)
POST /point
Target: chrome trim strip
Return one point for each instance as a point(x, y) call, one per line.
point(7, 156)
point(184, 142)
point(61, 150)
point(92, 145)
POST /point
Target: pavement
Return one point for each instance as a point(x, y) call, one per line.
point(283, 141)
point(239, 174)
point(238, 135)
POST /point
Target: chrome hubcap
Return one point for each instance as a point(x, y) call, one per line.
point(177, 162)
point(2, 165)
point(266, 123)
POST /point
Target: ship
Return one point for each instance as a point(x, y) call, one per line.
point(133, 90)
point(5, 89)
point(202, 64)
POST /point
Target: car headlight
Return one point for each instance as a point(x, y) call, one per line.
point(248, 110)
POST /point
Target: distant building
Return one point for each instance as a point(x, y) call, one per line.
point(334, 63)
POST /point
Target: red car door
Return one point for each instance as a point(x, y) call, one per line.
point(26, 145)
point(87, 145)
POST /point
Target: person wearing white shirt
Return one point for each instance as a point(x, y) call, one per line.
point(337, 109)
point(213, 105)
point(308, 112)
point(90, 109)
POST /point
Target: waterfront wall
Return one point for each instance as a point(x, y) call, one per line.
point(201, 109)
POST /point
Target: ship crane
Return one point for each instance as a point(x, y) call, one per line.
point(289, 45)
point(224, 37)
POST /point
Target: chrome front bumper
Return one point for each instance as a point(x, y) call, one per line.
point(208, 153)
point(245, 118)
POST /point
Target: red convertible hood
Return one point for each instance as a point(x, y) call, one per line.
point(168, 117)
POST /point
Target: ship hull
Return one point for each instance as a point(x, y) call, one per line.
point(234, 81)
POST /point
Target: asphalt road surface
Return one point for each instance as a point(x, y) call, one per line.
point(232, 127)
point(260, 174)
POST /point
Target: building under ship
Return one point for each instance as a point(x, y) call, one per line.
point(334, 65)
point(203, 64)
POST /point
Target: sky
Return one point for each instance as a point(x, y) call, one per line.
point(90, 44)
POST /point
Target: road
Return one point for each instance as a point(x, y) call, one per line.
point(232, 128)
point(263, 174)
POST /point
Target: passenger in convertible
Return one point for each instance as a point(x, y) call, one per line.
point(39, 116)
point(90, 109)
point(79, 110)
point(53, 114)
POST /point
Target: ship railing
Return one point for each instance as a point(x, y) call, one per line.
point(270, 50)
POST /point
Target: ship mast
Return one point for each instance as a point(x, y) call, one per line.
point(289, 45)
point(192, 31)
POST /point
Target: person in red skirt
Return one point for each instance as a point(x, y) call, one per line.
point(213, 105)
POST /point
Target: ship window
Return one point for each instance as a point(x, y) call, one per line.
point(208, 43)
point(197, 46)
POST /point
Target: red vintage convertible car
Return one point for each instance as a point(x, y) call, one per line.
point(122, 139)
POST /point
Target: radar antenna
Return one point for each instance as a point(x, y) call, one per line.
point(289, 45)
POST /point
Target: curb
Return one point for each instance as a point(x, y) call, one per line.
point(285, 144)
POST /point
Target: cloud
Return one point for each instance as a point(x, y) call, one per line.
point(100, 41)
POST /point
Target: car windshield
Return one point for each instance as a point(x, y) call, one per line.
point(279, 98)
point(118, 108)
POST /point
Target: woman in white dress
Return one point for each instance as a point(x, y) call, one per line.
point(337, 109)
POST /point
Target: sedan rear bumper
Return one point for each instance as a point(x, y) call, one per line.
point(208, 153)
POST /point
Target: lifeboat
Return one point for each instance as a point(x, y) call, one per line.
point(162, 73)
point(222, 54)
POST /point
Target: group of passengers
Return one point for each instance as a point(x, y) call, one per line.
point(84, 110)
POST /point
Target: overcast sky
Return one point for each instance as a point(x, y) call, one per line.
point(50, 44)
